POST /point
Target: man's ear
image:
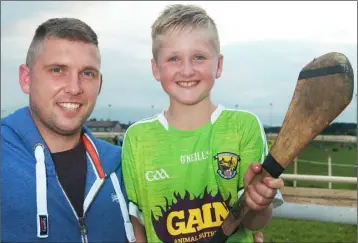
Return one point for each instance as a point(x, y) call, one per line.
point(220, 66)
point(24, 78)
point(100, 84)
point(155, 70)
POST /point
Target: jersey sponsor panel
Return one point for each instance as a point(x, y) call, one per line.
point(190, 218)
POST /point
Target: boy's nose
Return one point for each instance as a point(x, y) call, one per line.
point(188, 69)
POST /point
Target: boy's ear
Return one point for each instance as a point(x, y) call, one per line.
point(220, 66)
point(24, 78)
point(155, 70)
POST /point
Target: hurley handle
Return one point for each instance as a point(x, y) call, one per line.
point(270, 168)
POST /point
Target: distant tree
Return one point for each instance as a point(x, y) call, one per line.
point(336, 128)
point(339, 128)
point(126, 125)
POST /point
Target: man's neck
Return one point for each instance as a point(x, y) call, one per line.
point(56, 142)
point(189, 117)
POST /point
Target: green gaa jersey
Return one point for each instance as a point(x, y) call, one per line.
point(181, 184)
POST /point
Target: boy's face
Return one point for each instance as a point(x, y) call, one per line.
point(187, 65)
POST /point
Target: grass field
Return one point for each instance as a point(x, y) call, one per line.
point(319, 152)
point(288, 230)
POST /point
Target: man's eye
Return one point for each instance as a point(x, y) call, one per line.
point(173, 59)
point(199, 57)
point(56, 70)
point(89, 73)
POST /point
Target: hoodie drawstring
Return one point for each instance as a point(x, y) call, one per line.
point(41, 192)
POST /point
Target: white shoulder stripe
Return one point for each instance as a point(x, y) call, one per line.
point(143, 121)
point(263, 134)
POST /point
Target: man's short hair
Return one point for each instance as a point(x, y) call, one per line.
point(180, 16)
point(66, 28)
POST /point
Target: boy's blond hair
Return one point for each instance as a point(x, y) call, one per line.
point(180, 16)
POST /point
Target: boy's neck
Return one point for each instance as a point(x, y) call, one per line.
point(189, 117)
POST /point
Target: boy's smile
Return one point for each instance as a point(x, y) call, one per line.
point(188, 84)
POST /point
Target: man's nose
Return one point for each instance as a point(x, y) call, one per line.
point(74, 84)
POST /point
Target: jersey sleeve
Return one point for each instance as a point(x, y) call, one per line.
point(253, 148)
point(130, 182)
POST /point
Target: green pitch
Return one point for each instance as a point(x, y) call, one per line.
point(289, 230)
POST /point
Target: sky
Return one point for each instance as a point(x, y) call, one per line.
point(265, 46)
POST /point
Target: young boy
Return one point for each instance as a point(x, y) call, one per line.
point(184, 168)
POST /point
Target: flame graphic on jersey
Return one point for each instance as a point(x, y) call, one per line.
point(191, 219)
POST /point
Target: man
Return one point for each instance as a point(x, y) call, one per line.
point(60, 183)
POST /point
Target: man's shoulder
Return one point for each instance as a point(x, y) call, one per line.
point(109, 154)
point(107, 149)
point(10, 140)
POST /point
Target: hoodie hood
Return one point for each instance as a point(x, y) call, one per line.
point(19, 127)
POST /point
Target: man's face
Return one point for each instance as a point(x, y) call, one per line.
point(63, 84)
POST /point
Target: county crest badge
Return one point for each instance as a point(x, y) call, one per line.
point(227, 164)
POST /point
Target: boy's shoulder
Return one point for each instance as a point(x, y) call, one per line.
point(144, 126)
point(241, 116)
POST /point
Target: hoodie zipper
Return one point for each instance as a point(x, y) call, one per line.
point(81, 220)
point(83, 228)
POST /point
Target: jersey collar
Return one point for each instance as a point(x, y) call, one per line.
point(214, 116)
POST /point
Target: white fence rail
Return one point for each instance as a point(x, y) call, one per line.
point(330, 138)
point(331, 214)
point(317, 178)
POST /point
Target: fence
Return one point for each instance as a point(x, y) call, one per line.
point(336, 179)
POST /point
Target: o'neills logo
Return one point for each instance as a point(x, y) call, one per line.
point(191, 219)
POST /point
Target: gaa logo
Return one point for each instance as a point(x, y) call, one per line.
point(156, 175)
